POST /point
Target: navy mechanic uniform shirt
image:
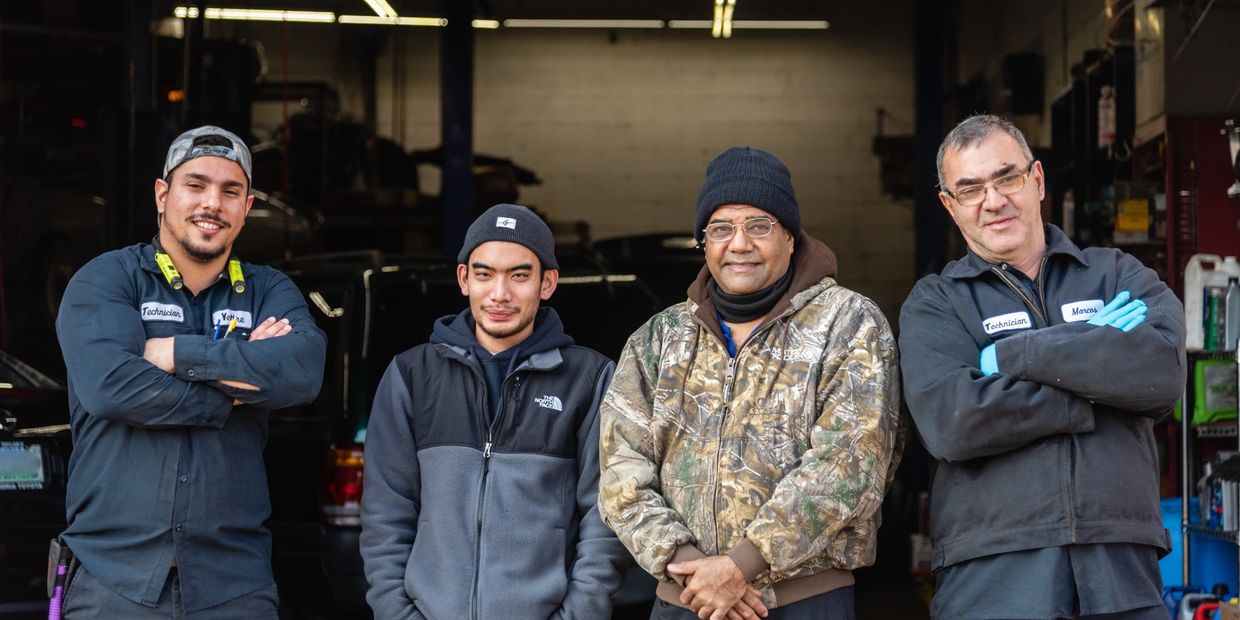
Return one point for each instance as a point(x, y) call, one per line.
point(164, 467)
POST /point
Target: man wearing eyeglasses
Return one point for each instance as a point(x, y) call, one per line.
point(750, 432)
point(1034, 371)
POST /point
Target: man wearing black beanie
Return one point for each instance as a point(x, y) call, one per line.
point(750, 431)
point(482, 451)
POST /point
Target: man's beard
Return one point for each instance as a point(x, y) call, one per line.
point(201, 255)
point(506, 333)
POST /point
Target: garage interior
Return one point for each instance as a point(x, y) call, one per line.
point(382, 135)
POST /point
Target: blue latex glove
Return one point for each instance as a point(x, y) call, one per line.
point(1121, 313)
point(989, 362)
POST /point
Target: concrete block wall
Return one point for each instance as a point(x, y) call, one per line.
point(620, 125)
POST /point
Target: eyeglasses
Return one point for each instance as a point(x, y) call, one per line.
point(754, 227)
point(973, 195)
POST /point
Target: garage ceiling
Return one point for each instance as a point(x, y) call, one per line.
point(553, 9)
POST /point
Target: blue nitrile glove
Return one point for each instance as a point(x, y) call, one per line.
point(1120, 315)
point(1130, 320)
point(989, 362)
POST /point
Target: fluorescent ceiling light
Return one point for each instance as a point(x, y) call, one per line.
point(488, 24)
point(728, 9)
point(375, 20)
point(780, 24)
point(583, 23)
point(689, 23)
point(266, 15)
point(753, 24)
point(381, 8)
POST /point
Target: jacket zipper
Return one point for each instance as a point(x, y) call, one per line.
point(1040, 311)
point(1016, 288)
point(474, 605)
point(728, 381)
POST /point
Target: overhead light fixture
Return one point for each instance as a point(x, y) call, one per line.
point(375, 20)
point(486, 24)
point(264, 15)
point(381, 8)
point(583, 23)
point(752, 24)
point(780, 24)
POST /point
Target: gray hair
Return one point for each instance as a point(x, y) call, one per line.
point(975, 129)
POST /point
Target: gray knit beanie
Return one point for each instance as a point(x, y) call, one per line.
point(748, 176)
point(514, 223)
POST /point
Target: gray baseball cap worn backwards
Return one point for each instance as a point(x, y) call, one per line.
point(207, 140)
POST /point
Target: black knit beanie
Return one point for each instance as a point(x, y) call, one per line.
point(748, 176)
point(514, 223)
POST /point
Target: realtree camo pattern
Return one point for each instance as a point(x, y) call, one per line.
point(798, 461)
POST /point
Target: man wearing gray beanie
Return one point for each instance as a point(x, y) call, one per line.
point(750, 432)
point(482, 451)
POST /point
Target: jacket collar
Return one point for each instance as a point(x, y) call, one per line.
point(971, 265)
point(147, 253)
point(545, 360)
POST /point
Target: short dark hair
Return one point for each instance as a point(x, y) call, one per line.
point(975, 129)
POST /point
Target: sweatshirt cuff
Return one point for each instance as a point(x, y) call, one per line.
point(684, 553)
point(749, 559)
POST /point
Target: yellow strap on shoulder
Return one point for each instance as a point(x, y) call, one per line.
point(170, 271)
point(235, 276)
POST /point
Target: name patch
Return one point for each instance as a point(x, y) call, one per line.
point(1004, 322)
point(224, 317)
point(1081, 310)
point(155, 311)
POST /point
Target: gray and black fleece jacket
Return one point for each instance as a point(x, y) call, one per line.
point(482, 509)
point(1057, 448)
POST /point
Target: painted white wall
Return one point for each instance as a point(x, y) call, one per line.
point(620, 126)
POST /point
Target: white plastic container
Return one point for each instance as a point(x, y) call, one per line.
point(1204, 271)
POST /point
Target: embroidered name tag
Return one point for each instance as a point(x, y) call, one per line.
point(1080, 310)
point(1004, 322)
point(155, 311)
point(224, 317)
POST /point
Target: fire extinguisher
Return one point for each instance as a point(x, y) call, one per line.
point(1106, 117)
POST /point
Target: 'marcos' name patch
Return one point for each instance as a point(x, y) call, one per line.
point(1004, 322)
point(155, 311)
point(1080, 310)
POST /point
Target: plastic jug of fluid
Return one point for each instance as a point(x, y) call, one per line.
point(1204, 276)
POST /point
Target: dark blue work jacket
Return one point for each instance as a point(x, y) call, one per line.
point(164, 466)
point(1057, 448)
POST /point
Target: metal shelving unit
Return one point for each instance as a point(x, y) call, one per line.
point(1187, 432)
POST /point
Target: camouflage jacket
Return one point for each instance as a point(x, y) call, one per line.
point(783, 451)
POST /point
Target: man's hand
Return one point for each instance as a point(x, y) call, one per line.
point(270, 328)
point(716, 589)
point(1120, 315)
point(159, 351)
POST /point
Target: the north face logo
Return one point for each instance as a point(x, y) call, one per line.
point(550, 402)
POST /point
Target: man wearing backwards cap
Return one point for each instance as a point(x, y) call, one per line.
point(175, 352)
point(750, 432)
point(482, 451)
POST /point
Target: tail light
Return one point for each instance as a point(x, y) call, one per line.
point(342, 486)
